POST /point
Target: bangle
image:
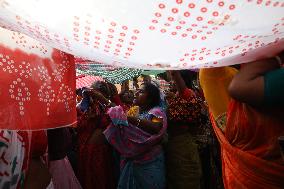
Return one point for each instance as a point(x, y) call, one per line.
point(109, 103)
point(138, 122)
point(279, 61)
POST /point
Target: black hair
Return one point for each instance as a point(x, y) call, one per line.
point(188, 77)
point(164, 76)
point(237, 66)
point(135, 79)
point(79, 92)
point(105, 91)
point(153, 93)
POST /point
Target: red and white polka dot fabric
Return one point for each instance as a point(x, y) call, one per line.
point(152, 34)
point(86, 80)
point(37, 85)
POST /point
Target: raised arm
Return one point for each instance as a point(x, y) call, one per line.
point(152, 127)
point(248, 85)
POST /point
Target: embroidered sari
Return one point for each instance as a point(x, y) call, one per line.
point(14, 149)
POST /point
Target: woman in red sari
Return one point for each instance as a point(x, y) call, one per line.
point(95, 158)
point(251, 154)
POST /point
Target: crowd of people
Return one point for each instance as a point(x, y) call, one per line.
point(212, 129)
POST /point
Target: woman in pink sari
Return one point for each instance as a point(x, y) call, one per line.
point(139, 141)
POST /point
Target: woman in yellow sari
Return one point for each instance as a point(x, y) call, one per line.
point(215, 83)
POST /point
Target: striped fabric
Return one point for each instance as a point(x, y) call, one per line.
point(86, 80)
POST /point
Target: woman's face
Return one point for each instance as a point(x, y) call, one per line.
point(128, 97)
point(172, 86)
point(141, 96)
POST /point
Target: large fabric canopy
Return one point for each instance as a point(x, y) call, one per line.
point(37, 84)
point(153, 34)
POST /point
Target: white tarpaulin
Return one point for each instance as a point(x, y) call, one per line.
point(152, 34)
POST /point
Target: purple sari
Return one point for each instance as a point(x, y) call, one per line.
point(140, 151)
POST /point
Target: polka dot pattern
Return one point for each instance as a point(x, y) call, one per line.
point(20, 93)
point(65, 96)
point(191, 20)
point(267, 3)
point(34, 85)
point(246, 43)
point(62, 68)
point(114, 39)
point(20, 39)
point(47, 95)
point(153, 37)
point(19, 89)
point(39, 32)
point(278, 28)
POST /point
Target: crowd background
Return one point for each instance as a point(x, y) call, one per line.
point(216, 128)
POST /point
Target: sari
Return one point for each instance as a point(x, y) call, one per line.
point(95, 155)
point(182, 157)
point(214, 83)
point(251, 155)
point(14, 149)
point(142, 156)
point(20, 155)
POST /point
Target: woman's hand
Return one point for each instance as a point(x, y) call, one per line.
point(100, 97)
point(146, 125)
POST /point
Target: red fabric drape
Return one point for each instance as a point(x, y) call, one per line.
point(249, 148)
point(37, 92)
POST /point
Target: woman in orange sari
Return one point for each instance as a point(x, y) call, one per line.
point(248, 120)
